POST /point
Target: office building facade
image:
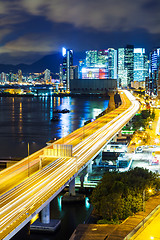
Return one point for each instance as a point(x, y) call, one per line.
point(154, 69)
point(66, 66)
point(47, 76)
point(122, 71)
point(140, 65)
point(99, 64)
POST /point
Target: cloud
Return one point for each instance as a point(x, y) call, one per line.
point(103, 15)
point(29, 43)
point(4, 32)
point(44, 26)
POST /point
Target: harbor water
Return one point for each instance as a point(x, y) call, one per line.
point(26, 120)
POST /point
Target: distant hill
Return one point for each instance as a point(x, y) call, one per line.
point(50, 62)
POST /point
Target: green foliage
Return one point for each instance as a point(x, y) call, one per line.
point(119, 195)
point(104, 221)
point(152, 116)
point(143, 119)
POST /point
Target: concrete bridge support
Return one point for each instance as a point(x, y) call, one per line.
point(72, 188)
point(82, 180)
point(45, 214)
point(111, 104)
point(89, 167)
point(114, 139)
point(98, 159)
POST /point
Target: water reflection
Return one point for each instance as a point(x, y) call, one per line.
point(87, 204)
point(29, 119)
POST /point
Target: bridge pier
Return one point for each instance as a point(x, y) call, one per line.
point(111, 104)
point(98, 159)
point(82, 180)
point(45, 223)
point(45, 214)
point(89, 167)
point(72, 188)
point(115, 138)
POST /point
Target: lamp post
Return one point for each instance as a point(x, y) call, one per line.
point(28, 160)
point(154, 238)
point(144, 195)
point(144, 198)
point(28, 152)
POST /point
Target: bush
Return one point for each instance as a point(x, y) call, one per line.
point(119, 195)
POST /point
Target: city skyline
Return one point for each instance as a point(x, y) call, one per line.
point(31, 30)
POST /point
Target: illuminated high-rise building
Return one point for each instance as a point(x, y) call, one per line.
point(122, 70)
point(140, 65)
point(155, 60)
point(104, 62)
point(102, 59)
point(67, 63)
point(129, 63)
point(126, 65)
point(82, 64)
point(19, 76)
point(47, 76)
point(112, 63)
point(154, 68)
point(91, 58)
point(2, 77)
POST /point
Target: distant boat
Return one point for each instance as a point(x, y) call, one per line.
point(61, 111)
point(55, 118)
point(65, 110)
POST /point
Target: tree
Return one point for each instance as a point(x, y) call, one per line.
point(119, 195)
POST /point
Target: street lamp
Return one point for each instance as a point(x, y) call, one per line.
point(144, 198)
point(28, 160)
point(28, 152)
point(154, 238)
point(156, 140)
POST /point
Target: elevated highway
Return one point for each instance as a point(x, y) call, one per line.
point(28, 186)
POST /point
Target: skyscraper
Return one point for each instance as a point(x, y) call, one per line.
point(67, 63)
point(91, 58)
point(140, 65)
point(104, 62)
point(47, 75)
point(154, 67)
point(122, 71)
point(126, 65)
point(2, 77)
point(112, 63)
point(102, 58)
point(129, 63)
point(19, 76)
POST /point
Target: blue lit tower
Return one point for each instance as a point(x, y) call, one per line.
point(154, 67)
point(67, 63)
point(112, 63)
point(140, 65)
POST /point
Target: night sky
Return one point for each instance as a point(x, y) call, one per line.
point(30, 29)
